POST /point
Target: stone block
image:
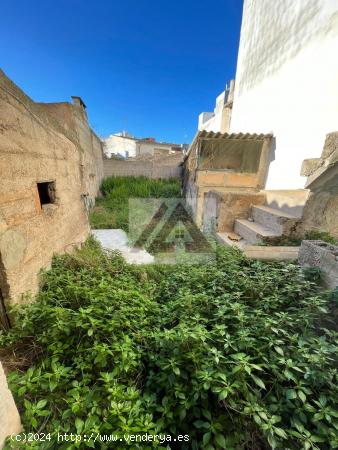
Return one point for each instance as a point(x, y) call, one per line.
point(241, 180)
point(309, 166)
point(9, 416)
point(330, 145)
point(322, 255)
point(208, 178)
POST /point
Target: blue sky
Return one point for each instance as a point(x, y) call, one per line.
point(143, 65)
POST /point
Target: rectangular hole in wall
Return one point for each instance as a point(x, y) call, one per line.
point(46, 191)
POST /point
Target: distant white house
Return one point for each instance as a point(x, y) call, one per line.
point(125, 145)
point(120, 144)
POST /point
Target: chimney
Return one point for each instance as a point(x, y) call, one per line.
point(79, 103)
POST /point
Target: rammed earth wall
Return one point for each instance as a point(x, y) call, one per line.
point(42, 143)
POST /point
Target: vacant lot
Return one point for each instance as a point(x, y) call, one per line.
point(233, 354)
point(111, 211)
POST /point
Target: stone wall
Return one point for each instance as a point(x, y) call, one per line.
point(42, 143)
point(221, 209)
point(9, 416)
point(320, 213)
point(324, 256)
point(287, 80)
point(236, 163)
point(164, 168)
point(321, 209)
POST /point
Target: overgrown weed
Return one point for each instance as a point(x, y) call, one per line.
point(228, 353)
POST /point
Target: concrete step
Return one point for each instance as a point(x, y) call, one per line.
point(272, 218)
point(262, 253)
point(253, 232)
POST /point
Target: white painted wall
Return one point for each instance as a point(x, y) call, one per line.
point(119, 145)
point(128, 146)
point(287, 80)
point(212, 121)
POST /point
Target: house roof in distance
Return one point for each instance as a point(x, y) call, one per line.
point(151, 140)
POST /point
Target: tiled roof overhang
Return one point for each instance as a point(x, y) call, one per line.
point(245, 136)
point(204, 135)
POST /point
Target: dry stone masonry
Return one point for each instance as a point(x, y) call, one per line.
point(322, 255)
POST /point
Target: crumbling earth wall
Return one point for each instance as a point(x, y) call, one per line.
point(42, 143)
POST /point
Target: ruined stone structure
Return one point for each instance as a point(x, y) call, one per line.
point(274, 93)
point(233, 166)
point(236, 206)
point(224, 185)
point(51, 168)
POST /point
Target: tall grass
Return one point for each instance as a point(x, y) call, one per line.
point(111, 211)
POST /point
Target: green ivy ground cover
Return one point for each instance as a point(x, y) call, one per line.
point(237, 354)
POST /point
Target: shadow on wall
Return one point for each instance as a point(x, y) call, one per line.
point(289, 201)
point(4, 319)
point(272, 155)
point(267, 50)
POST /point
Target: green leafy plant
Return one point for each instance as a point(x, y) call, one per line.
point(229, 353)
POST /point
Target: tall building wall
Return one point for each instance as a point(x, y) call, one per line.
point(287, 80)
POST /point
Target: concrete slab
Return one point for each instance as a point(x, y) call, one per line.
point(116, 239)
point(275, 219)
point(272, 253)
point(253, 232)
